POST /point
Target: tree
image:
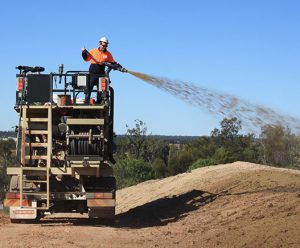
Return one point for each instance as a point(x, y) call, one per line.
point(279, 147)
point(159, 168)
point(229, 128)
point(6, 159)
point(222, 156)
point(203, 147)
point(181, 161)
point(154, 149)
point(232, 146)
point(131, 171)
point(6, 147)
point(136, 138)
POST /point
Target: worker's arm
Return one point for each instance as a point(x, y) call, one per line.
point(85, 54)
point(116, 66)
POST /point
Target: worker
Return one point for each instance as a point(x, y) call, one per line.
point(96, 56)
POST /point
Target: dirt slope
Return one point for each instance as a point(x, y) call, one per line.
point(232, 205)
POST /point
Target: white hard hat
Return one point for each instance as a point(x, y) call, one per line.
point(104, 39)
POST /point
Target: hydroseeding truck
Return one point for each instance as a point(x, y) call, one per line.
point(64, 147)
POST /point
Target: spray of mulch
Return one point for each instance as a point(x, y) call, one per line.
point(253, 116)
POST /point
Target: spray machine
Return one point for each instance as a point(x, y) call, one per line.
point(64, 147)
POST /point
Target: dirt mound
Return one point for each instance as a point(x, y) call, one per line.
point(232, 205)
point(239, 204)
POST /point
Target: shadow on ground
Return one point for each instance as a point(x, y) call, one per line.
point(164, 210)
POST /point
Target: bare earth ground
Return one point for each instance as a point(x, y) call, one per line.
point(232, 205)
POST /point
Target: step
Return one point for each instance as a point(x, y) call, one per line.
point(80, 121)
point(34, 157)
point(35, 181)
point(36, 144)
point(37, 119)
point(35, 168)
point(36, 132)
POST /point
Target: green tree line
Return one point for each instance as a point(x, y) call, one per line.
point(142, 157)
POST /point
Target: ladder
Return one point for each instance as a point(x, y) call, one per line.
point(30, 163)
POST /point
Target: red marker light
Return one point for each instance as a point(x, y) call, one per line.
point(20, 83)
point(103, 84)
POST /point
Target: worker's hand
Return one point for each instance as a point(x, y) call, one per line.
point(83, 49)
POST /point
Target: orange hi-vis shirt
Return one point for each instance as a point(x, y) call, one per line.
point(99, 56)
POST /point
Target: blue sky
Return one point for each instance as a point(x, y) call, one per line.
point(250, 49)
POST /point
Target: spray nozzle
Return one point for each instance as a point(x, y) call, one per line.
point(60, 70)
